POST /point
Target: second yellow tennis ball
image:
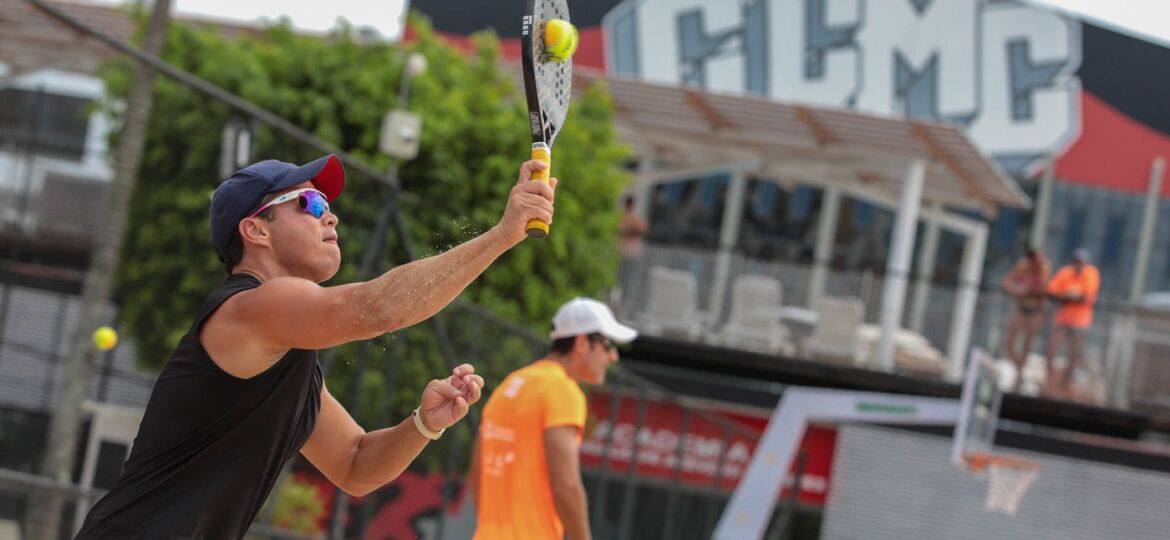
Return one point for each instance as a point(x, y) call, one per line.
point(105, 338)
point(560, 39)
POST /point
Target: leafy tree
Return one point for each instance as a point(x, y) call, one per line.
point(474, 137)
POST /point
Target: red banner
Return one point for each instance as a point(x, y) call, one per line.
point(707, 451)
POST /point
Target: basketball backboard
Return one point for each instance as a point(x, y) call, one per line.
point(978, 408)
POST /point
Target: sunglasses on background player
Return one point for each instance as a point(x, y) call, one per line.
point(309, 200)
point(605, 342)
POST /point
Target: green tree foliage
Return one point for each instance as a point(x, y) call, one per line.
point(474, 138)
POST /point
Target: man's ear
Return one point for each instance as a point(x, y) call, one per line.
point(581, 343)
point(253, 230)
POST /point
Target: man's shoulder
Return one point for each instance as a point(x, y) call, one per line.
point(266, 295)
point(543, 377)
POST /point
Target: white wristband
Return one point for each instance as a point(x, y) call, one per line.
point(418, 424)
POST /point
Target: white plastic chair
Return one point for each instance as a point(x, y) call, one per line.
point(673, 304)
point(755, 320)
point(835, 336)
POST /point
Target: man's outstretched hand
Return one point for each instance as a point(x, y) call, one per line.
point(445, 401)
point(527, 200)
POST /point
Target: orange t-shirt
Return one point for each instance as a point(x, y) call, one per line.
point(1066, 281)
point(515, 498)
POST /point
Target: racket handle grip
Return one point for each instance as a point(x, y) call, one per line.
point(537, 228)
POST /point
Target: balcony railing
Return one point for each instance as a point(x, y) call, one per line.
point(769, 307)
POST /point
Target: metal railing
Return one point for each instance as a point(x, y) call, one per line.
point(1103, 378)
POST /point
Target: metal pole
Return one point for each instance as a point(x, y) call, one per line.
point(676, 475)
point(728, 236)
point(1149, 224)
point(445, 488)
point(55, 351)
point(787, 519)
point(643, 189)
point(629, 498)
point(371, 256)
point(970, 274)
point(898, 265)
point(601, 508)
point(717, 494)
point(1043, 205)
point(826, 236)
point(925, 274)
point(107, 371)
point(384, 415)
point(5, 294)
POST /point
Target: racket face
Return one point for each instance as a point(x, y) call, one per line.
point(547, 84)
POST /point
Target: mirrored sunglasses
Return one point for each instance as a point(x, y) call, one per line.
point(309, 200)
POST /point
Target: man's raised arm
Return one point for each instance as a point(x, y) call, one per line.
point(296, 313)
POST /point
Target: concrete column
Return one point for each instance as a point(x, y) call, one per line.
point(826, 235)
point(898, 264)
point(728, 234)
point(970, 275)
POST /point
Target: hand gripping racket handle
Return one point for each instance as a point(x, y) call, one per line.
point(537, 228)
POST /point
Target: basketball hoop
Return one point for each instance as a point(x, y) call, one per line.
point(1008, 479)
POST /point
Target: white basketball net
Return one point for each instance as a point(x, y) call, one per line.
point(1006, 486)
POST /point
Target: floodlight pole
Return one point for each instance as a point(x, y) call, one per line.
point(1043, 205)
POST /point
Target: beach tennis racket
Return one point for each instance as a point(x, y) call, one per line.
point(547, 84)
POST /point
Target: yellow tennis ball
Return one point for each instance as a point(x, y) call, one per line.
point(105, 338)
point(560, 39)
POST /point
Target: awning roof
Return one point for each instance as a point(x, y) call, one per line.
point(688, 128)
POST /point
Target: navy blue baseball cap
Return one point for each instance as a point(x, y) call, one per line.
point(241, 194)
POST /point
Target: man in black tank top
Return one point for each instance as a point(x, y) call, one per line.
point(243, 392)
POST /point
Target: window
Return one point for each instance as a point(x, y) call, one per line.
point(863, 235)
point(1114, 240)
point(764, 197)
point(802, 203)
point(863, 214)
point(779, 223)
point(689, 211)
point(43, 122)
point(1006, 228)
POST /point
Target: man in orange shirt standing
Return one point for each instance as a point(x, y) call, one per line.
point(1075, 287)
point(525, 476)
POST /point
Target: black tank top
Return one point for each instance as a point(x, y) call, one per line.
point(211, 445)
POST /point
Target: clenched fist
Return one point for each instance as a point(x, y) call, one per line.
point(446, 401)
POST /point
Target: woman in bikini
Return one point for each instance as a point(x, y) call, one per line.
point(1027, 285)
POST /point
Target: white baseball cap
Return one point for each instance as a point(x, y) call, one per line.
point(587, 316)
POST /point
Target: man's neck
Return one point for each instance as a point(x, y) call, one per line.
point(558, 359)
point(257, 269)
